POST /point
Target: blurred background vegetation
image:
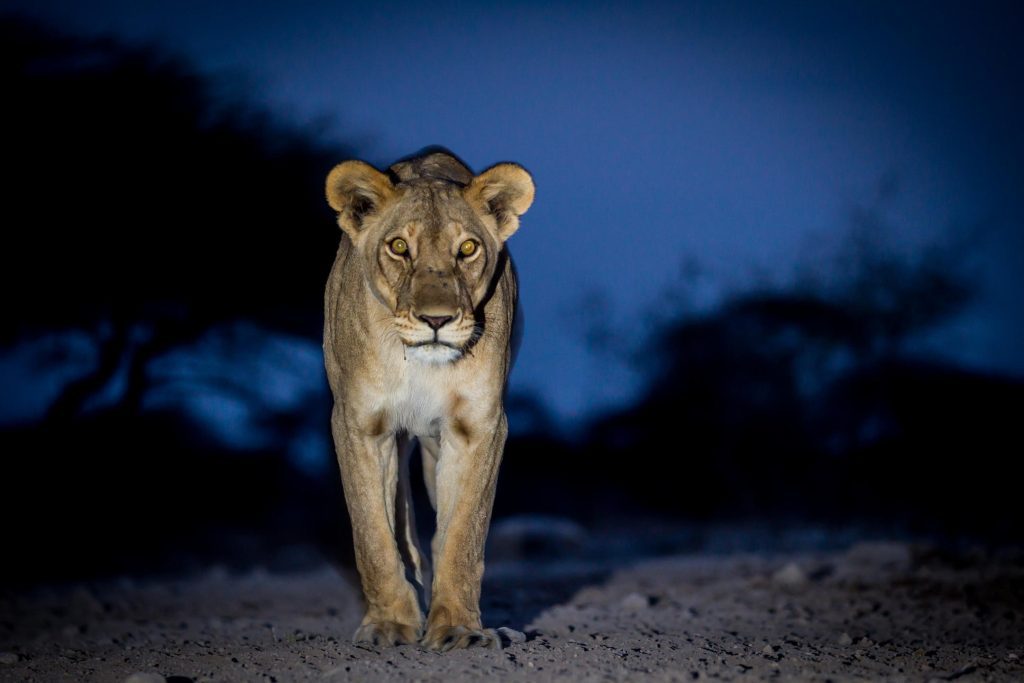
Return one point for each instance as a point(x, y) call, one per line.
point(163, 266)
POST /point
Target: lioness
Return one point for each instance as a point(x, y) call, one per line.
point(419, 315)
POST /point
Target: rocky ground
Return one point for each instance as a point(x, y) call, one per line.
point(879, 611)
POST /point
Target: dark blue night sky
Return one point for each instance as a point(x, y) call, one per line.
point(681, 151)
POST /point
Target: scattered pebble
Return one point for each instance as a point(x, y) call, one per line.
point(512, 635)
point(768, 650)
point(144, 677)
point(1012, 656)
point(635, 601)
point(790, 575)
point(845, 640)
point(8, 658)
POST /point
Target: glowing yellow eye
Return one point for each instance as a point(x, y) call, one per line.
point(399, 246)
point(467, 248)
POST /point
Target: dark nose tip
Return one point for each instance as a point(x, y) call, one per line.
point(436, 321)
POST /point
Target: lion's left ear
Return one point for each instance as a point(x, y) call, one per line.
point(505, 192)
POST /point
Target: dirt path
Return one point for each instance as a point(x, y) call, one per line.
point(875, 612)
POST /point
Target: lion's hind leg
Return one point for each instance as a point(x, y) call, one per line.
point(405, 519)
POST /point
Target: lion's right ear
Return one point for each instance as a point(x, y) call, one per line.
point(355, 189)
point(505, 192)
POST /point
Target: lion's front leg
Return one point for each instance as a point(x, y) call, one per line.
point(466, 475)
point(369, 472)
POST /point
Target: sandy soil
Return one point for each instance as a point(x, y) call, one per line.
point(872, 612)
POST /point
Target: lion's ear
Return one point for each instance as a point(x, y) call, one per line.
point(355, 189)
point(505, 192)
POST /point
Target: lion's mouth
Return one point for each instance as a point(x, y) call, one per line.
point(433, 342)
point(436, 341)
point(446, 343)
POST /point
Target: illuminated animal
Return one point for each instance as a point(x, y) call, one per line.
point(419, 315)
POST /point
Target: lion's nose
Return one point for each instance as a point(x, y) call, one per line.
point(436, 322)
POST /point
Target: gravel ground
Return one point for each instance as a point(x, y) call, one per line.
point(882, 611)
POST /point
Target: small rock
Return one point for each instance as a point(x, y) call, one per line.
point(821, 572)
point(890, 556)
point(8, 658)
point(635, 601)
point(865, 642)
point(511, 635)
point(83, 597)
point(1012, 656)
point(845, 640)
point(535, 537)
point(144, 677)
point(790, 575)
point(768, 650)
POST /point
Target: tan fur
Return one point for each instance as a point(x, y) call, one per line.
point(395, 377)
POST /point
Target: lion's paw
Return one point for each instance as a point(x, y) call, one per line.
point(387, 633)
point(444, 638)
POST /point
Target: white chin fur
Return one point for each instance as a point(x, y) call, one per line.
point(432, 354)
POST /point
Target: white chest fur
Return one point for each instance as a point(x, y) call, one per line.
point(419, 396)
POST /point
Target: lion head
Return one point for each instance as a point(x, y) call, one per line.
point(430, 235)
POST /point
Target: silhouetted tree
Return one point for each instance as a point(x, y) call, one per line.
point(776, 400)
point(143, 207)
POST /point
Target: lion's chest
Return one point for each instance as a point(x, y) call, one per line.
point(419, 398)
